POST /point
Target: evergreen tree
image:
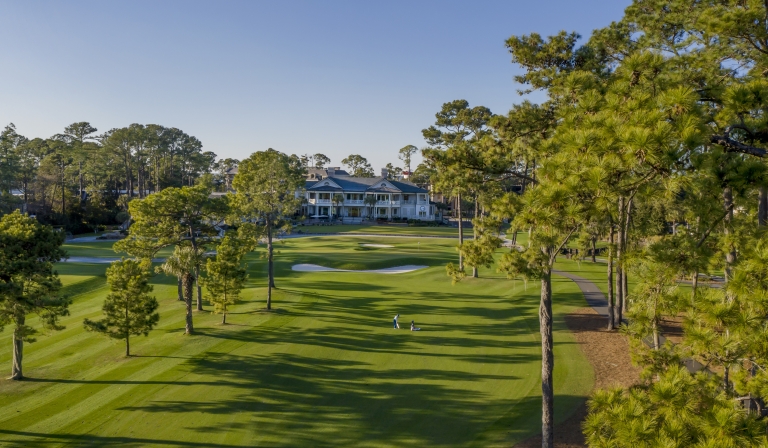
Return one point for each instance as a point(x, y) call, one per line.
point(267, 185)
point(28, 283)
point(128, 310)
point(225, 276)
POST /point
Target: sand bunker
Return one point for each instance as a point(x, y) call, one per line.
point(375, 245)
point(100, 260)
point(393, 270)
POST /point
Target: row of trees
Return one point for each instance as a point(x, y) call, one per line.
point(652, 139)
point(80, 177)
point(189, 219)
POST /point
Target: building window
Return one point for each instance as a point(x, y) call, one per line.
point(405, 197)
point(311, 195)
point(422, 214)
point(394, 212)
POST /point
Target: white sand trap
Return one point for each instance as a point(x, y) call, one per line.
point(89, 260)
point(393, 270)
point(100, 260)
point(376, 245)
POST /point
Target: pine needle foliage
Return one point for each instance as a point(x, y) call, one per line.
point(128, 310)
point(225, 276)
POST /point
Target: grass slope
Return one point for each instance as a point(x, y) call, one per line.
point(380, 230)
point(325, 368)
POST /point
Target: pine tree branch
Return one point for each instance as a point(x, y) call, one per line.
point(560, 247)
point(732, 145)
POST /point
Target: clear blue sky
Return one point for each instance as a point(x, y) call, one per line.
point(336, 77)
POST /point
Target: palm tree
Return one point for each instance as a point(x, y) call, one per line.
point(370, 201)
point(338, 200)
point(182, 265)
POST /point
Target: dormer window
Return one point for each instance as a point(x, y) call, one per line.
point(326, 184)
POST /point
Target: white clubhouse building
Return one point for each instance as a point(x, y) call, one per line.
point(339, 194)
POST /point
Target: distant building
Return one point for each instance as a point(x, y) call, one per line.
point(394, 199)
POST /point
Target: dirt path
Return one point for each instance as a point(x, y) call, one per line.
point(607, 352)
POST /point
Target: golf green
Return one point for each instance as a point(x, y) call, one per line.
point(323, 368)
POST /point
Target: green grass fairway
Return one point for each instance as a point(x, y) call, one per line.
point(324, 368)
point(385, 229)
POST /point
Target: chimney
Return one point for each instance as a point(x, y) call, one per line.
point(384, 173)
point(331, 171)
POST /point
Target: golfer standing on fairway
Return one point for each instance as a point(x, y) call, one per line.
point(397, 327)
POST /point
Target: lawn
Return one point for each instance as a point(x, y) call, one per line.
point(386, 229)
point(324, 368)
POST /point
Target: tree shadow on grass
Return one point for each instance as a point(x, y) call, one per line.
point(129, 382)
point(314, 403)
point(42, 440)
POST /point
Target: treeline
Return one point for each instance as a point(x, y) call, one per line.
point(80, 179)
point(210, 235)
point(652, 141)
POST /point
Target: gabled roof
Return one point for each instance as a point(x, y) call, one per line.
point(407, 187)
point(364, 184)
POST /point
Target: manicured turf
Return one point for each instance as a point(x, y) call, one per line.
point(385, 229)
point(324, 368)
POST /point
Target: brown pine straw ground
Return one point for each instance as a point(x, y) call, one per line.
point(609, 355)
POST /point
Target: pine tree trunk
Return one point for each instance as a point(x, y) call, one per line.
point(461, 231)
point(619, 253)
point(63, 192)
point(594, 250)
point(18, 350)
point(270, 251)
point(656, 342)
point(547, 363)
point(730, 255)
point(181, 293)
point(762, 206)
point(199, 289)
point(127, 333)
point(224, 318)
point(611, 297)
point(80, 178)
point(187, 284)
point(270, 272)
point(694, 286)
point(624, 245)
